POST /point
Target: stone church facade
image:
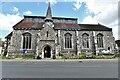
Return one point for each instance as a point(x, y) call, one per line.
point(48, 36)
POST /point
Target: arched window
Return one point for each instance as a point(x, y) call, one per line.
point(100, 40)
point(27, 41)
point(85, 40)
point(68, 40)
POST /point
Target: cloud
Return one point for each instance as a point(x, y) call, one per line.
point(113, 25)
point(15, 10)
point(8, 20)
point(89, 20)
point(106, 13)
point(115, 31)
point(108, 16)
point(98, 6)
point(77, 5)
point(27, 12)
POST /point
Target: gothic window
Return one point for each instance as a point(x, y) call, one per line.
point(26, 41)
point(68, 40)
point(85, 40)
point(100, 41)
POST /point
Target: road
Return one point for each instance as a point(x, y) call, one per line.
point(60, 69)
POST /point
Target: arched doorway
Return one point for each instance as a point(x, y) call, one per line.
point(47, 52)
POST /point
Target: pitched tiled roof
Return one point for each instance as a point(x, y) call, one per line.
point(83, 27)
point(94, 27)
point(66, 26)
point(25, 24)
point(9, 36)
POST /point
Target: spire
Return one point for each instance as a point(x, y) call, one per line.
point(49, 14)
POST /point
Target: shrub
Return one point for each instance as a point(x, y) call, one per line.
point(38, 57)
point(94, 55)
point(74, 57)
point(5, 53)
point(64, 57)
point(18, 56)
point(54, 57)
point(82, 56)
point(28, 56)
point(4, 57)
point(58, 57)
point(100, 57)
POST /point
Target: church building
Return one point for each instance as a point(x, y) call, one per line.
point(48, 36)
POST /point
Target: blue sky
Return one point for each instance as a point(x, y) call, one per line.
point(87, 12)
point(64, 9)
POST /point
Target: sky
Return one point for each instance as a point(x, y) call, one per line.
point(104, 12)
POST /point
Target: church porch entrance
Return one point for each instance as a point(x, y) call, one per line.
point(47, 52)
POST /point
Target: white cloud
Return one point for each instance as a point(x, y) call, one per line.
point(92, 20)
point(15, 11)
point(8, 21)
point(89, 20)
point(77, 5)
point(98, 6)
point(27, 12)
point(106, 13)
point(115, 31)
point(108, 16)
